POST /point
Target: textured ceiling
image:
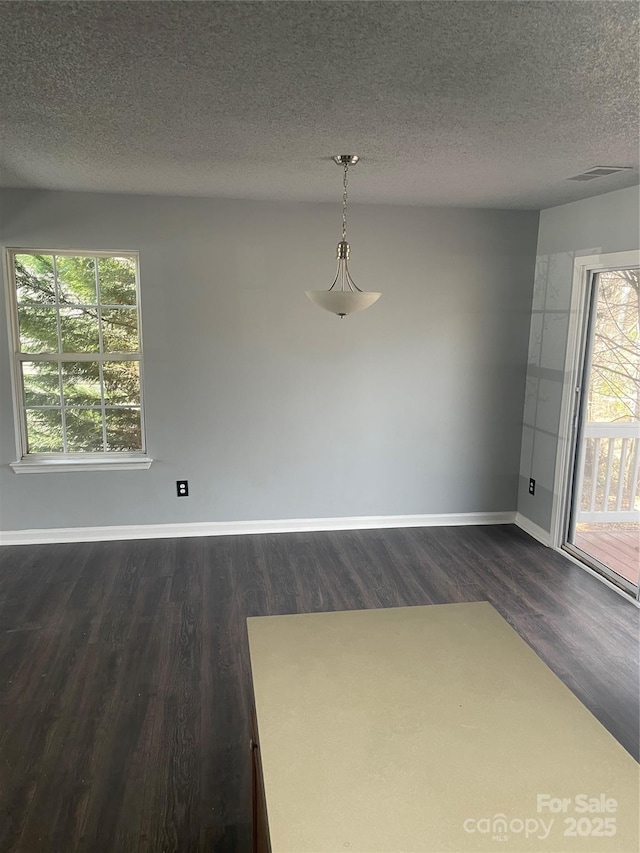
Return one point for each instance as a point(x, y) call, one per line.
point(448, 103)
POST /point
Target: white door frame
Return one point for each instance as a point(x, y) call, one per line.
point(583, 269)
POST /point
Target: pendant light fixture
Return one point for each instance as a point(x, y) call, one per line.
point(344, 296)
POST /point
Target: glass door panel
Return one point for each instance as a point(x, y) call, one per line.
point(604, 523)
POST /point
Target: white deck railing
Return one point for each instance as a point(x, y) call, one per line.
point(610, 469)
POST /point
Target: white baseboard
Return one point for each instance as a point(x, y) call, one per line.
point(533, 529)
point(235, 528)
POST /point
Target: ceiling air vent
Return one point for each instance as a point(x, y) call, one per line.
point(599, 172)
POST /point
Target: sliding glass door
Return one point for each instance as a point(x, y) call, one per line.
point(604, 514)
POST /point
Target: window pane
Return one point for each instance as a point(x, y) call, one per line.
point(35, 281)
point(79, 330)
point(78, 306)
point(41, 383)
point(84, 430)
point(77, 279)
point(121, 382)
point(117, 281)
point(38, 329)
point(81, 383)
point(44, 431)
point(123, 429)
point(614, 389)
point(120, 330)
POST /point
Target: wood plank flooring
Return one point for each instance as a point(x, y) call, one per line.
point(124, 673)
point(617, 547)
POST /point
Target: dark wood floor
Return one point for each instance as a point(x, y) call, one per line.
point(124, 675)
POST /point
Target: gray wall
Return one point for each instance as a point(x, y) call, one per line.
point(272, 408)
point(607, 223)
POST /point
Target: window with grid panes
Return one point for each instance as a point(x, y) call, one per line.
point(77, 350)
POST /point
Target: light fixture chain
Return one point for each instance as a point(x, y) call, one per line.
point(344, 203)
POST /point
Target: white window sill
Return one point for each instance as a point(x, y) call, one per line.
point(119, 462)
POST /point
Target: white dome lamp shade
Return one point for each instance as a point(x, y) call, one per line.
point(344, 296)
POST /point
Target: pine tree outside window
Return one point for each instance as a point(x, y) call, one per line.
point(77, 359)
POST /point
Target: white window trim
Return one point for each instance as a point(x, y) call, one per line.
point(39, 463)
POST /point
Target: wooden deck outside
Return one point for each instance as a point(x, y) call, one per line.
point(615, 545)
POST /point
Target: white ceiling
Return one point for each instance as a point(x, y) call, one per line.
point(449, 103)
